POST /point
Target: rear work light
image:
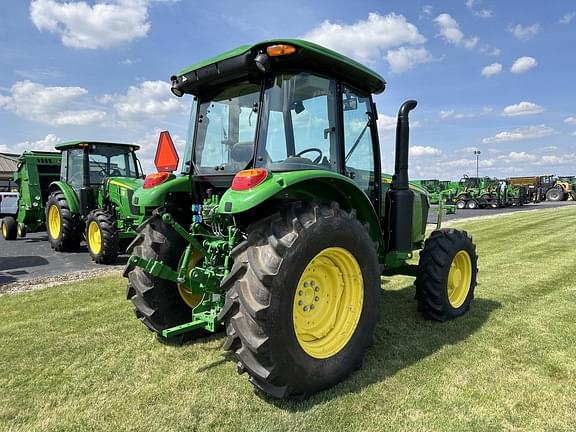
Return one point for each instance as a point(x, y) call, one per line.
point(280, 50)
point(155, 179)
point(247, 179)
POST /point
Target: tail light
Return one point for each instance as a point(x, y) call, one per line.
point(280, 50)
point(247, 179)
point(155, 179)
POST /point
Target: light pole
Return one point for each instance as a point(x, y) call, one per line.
point(477, 153)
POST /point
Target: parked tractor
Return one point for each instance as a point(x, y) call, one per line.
point(476, 192)
point(281, 223)
point(36, 171)
point(93, 199)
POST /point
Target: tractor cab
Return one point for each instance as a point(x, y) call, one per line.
point(284, 106)
point(86, 165)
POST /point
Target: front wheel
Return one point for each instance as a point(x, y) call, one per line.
point(102, 236)
point(460, 204)
point(9, 228)
point(472, 204)
point(302, 299)
point(555, 195)
point(446, 276)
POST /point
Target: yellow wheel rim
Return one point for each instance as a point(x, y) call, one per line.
point(54, 221)
point(19, 231)
point(94, 238)
point(4, 230)
point(328, 302)
point(459, 279)
point(190, 299)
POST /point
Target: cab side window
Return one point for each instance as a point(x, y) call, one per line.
point(358, 149)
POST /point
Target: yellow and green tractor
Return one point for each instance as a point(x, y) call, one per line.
point(281, 223)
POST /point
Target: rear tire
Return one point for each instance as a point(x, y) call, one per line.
point(9, 228)
point(446, 275)
point(157, 302)
point(102, 236)
point(555, 195)
point(460, 204)
point(262, 310)
point(64, 229)
point(472, 204)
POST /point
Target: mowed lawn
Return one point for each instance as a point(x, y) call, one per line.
point(74, 358)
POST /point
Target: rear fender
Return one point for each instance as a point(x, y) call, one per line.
point(306, 185)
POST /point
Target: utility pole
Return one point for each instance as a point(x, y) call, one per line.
point(477, 153)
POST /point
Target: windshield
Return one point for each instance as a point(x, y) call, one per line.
point(226, 129)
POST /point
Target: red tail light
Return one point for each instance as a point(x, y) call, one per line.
point(155, 179)
point(248, 179)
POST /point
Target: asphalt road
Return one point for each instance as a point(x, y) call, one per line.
point(32, 257)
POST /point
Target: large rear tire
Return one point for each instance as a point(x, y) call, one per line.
point(64, 230)
point(446, 276)
point(555, 195)
point(9, 228)
point(157, 302)
point(302, 299)
point(102, 236)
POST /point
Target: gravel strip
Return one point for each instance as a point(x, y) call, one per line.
point(49, 281)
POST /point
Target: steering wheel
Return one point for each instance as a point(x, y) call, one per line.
point(312, 149)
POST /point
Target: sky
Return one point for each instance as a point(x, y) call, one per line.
point(493, 76)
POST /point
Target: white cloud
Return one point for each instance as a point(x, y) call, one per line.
point(482, 13)
point(423, 151)
point(522, 108)
point(522, 157)
point(446, 114)
point(450, 31)
point(570, 120)
point(386, 122)
point(45, 144)
point(427, 10)
point(102, 25)
point(567, 18)
point(51, 105)
point(149, 100)
point(491, 70)
point(530, 132)
point(465, 163)
point(523, 64)
point(367, 40)
point(405, 58)
point(491, 51)
point(521, 32)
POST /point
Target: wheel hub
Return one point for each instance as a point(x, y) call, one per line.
point(328, 302)
point(459, 278)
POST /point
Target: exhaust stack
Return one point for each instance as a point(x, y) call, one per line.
point(400, 199)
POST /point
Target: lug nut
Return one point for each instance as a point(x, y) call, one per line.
point(300, 292)
point(305, 308)
point(311, 283)
point(305, 284)
point(311, 307)
point(316, 298)
point(300, 303)
point(317, 289)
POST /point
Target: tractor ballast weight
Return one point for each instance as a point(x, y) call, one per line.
point(279, 229)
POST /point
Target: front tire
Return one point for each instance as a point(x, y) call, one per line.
point(446, 275)
point(472, 204)
point(284, 323)
point(64, 230)
point(102, 236)
point(9, 228)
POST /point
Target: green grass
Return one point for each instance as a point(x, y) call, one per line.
point(74, 358)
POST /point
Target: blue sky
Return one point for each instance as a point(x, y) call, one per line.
point(494, 76)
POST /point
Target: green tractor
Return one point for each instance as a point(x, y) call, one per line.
point(93, 199)
point(36, 170)
point(282, 224)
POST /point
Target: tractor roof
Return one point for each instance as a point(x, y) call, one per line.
point(309, 56)
point(71, 144)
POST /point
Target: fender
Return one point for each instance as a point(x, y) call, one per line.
point(156, 196)
point(307, 184)
point(69, 194)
